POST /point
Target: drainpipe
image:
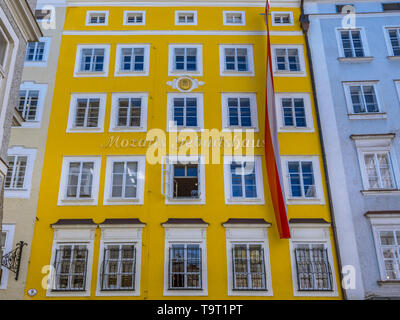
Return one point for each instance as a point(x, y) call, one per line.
point(305, 24)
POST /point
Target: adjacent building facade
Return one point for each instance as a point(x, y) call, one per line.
point(356, 59)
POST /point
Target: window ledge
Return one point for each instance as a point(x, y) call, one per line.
point(90, 74)
point(247, 201)
point(237, 73)
point(72, 202)
point(121, 201)
point(295, 129)
point(380, 192)
point(289, 73)
point(389, 282)
point(366, 116)
point(394, 58)
point(300, 201)
point(355, 59)
point(127, 129)
point(131, 73)
point(85, 129)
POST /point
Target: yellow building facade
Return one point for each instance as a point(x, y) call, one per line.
point(113, 223)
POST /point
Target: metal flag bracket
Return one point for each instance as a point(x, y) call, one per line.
point(12, 260)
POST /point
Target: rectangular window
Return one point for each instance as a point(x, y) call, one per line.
point(35, 51)
point(393, 6)
point(97, 18)
point(185, 112)
point(119, 267)
point(16, 172)
point(129, 112)
point(185, 17)
point(293, 112)
point(185, 266)
point(124, 179)
point(185, 181)
point(394, 37)
point(339, 8)
point(185, 59)
point(301, 179)
point(313, 268)
point(234, 18)
point(134, 17)
point(28, 104)
point(239, 112)
point(92, 60)
point(379, 170)
point(70, 267)
point(390, 252)
point(282, 18)
point(287, 59)
point(41, 15)
point(363, 98)
point(352, 43)
point(243, 180)
point(132, 59)
point(236, 59)
point(248, 267)
point(87, 113)
point(80, 180)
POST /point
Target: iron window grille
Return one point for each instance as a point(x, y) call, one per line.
point(129, 112)
point(28, 104)
point(185, 267)
point(87, 113)
point(248, 267)
point(70, 268)
point(313, 268)
point(16, 172)
point(119, 268)
point(294, 114)
point(287, 59)
point(92, 60)
point(186, 182)
point(394, 36)
point(185, 59)
point(35, 51)
point(236, 59)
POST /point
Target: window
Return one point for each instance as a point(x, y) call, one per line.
point(234, 18)
point(129, 112)
point(236, 60)
point(379, 171)
point(185, 59)
point(80, 181)
point(132, 60)
point(288, 60)
point(294, 114)
point(7, 238)
point(352, 43)
point(339, 8)
point(31, 99)
point(41, 15)
point(134, 18)
point(97, 18)
point(35, 51)
point(243, 180)
point(282, 18)
point(312, 267)
point(125, 180)
point(16, 172)
point(393, 6)
point(185, 18)
point(239, 111)
point(394, 40)
point(185, 111)
point(86, 113)
point(362, 98)
point(303, 180)
point(92, 61)
point(390, 253)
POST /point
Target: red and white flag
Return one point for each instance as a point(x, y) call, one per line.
point(272, 154)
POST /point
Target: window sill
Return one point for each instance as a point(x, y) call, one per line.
point(128, 129)
point(296, 129)
point(380, 192)
point(122, 201)
point(77, 202)
point(301, 201)
point(367, 116)
point(35, 64)
point(389, 283)
point(289, 73)
point(355, 59)
point(184, 201)
point(177, 129)
point(131, 74)
point(174, 73)
point(85, 129)
point(185, 292)
point(237, 73)
point(394, 58)
point(230, 128)
point(246, 201)
point(90, 74)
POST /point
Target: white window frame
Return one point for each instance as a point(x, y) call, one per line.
point(72, 112)
point(311, 233)
point(286, 73)
point(126, 13)
point(389, 47)
point(139, 200)
point(9, 229)
point(89, 16)
point(178, 12)
point(167, 182)
point(114, 112)
point(383, 222)
point(78, 235)
point(259, 200)
point(62, 199)
point(377, 145)
point(366, 115)
point(121, 73)
point(290, 13)
point(319, 191)
point(364, 44)
point(80, 48)
point(130, 234)
point(225, 20)
point(188, 234)
point(44, 62)
point(42, 88)
point(171, 60)
point(307, 109)
point(397, 85)
point(250, 58)
point(25, 192)
point(170, 109)
point(253, 110)
point(248, 234)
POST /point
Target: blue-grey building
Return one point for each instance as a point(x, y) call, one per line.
point(355, 51)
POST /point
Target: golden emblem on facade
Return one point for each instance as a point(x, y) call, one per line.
point(185, 84)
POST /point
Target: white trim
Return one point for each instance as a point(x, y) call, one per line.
point(62, 199)
point(259, 200)
point(72, 112)
point(319, 191)
point(179, 33)
point(397, 85)
point(9, 229)
point(178, 12)
point(106, 62)
point(307, 109)
point(126, 234)
point(108, 200)
point(26, 190)
point(308, 233)
point(126, 13)
point(200, 111)
point(121, 73)
point(187, 235)
point(226, 23)
point(286, 73)
point(290, 13)
point(42, 88)
point(253, 110)
point(89, 15)
point(44, 62)
point(235, 73)
point(364, 40)
point(387, 38)
point(250, 234)
point(171, 58)
point(114, 112)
